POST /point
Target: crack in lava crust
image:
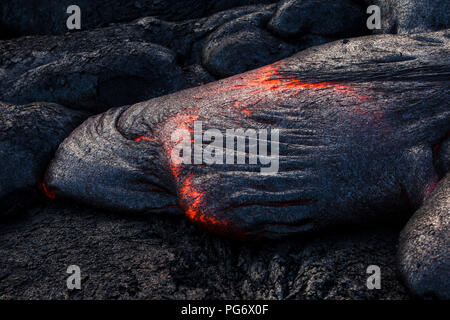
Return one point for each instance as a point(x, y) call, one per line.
point(356, 142)
point(256, 84)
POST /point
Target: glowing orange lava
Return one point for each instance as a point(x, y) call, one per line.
point(250, 89)
point(50, 194)
point(430, 188)
point(270, 78)
point(144, 138)
point(189, 193)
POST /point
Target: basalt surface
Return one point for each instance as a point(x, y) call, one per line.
point(25, 17)
point(151, 257)
point(361, 127)
point(29, 136)
point(355, 120)
point(363, 140)
point(131, 61)
point(412, 16)
point(423, 250)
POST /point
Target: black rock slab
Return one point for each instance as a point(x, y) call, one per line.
point(151, 257)
point(357, 123)
point(29, 135)
point(26, 17)
point(295, 18)
point(243, 44)
point(424, 255)
point(412, 16)
point(91, 71)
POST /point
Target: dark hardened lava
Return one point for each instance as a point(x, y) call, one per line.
point(355, 119)
point(29, 136)
point(358, 123)
point(424, 256)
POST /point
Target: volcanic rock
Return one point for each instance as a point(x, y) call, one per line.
point(117, 65)
point(424, 255)
point(327, 18)
point(443, 157)
point(151, 257)
point(29, 135)
point(355, 118)
point(242, 45)
point(413, 16)
point(25, 17)
point(90, 71)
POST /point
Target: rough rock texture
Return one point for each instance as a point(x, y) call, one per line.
point(243, 44)
point(320, 17)
point(352, 127)
point(155, 258)
point(29, 136)
point(130, 62)
point(149, 256)
point(24, 17)
point(413, 16)
point(424, 255)
point(89, 71)
point(443, 157)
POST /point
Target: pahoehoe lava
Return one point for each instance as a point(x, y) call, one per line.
point(359, 123)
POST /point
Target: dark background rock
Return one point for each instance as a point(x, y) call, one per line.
point(129, 62)
point(295, 18)
point(29, 136)
point(25, 17)
point(413, 16)
point(132, 257)
point(443, 157)
point(242, 45)
point(125, 256)
point(424, 255)
point(90, 71)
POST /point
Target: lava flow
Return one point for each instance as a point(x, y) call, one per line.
point(191, 197)
point(144, 138)
point(50, 194)
point(269, 79)
point(252, 86)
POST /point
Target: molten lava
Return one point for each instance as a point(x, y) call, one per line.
point(50, 194)
point(243, 97)
point(144, 138)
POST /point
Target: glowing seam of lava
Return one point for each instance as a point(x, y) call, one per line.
point(431, 186)
point(190, 197)
point(50, 194)
point(269, 78)
point(193, 210)
point(143, 138)
point(261, 80)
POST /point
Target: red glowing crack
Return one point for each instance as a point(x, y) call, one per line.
point(143, 138)
point(246, 95)
point(50, 194)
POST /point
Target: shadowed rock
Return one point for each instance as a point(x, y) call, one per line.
point(328, 18)
point(130, 62)
point(412, 16)
point(24, 17)
point(443, 157)
point(424, 254)
point(242, 45)
point(148, 257)
point(90, 71)
point(29, 135)
point(355, 120)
